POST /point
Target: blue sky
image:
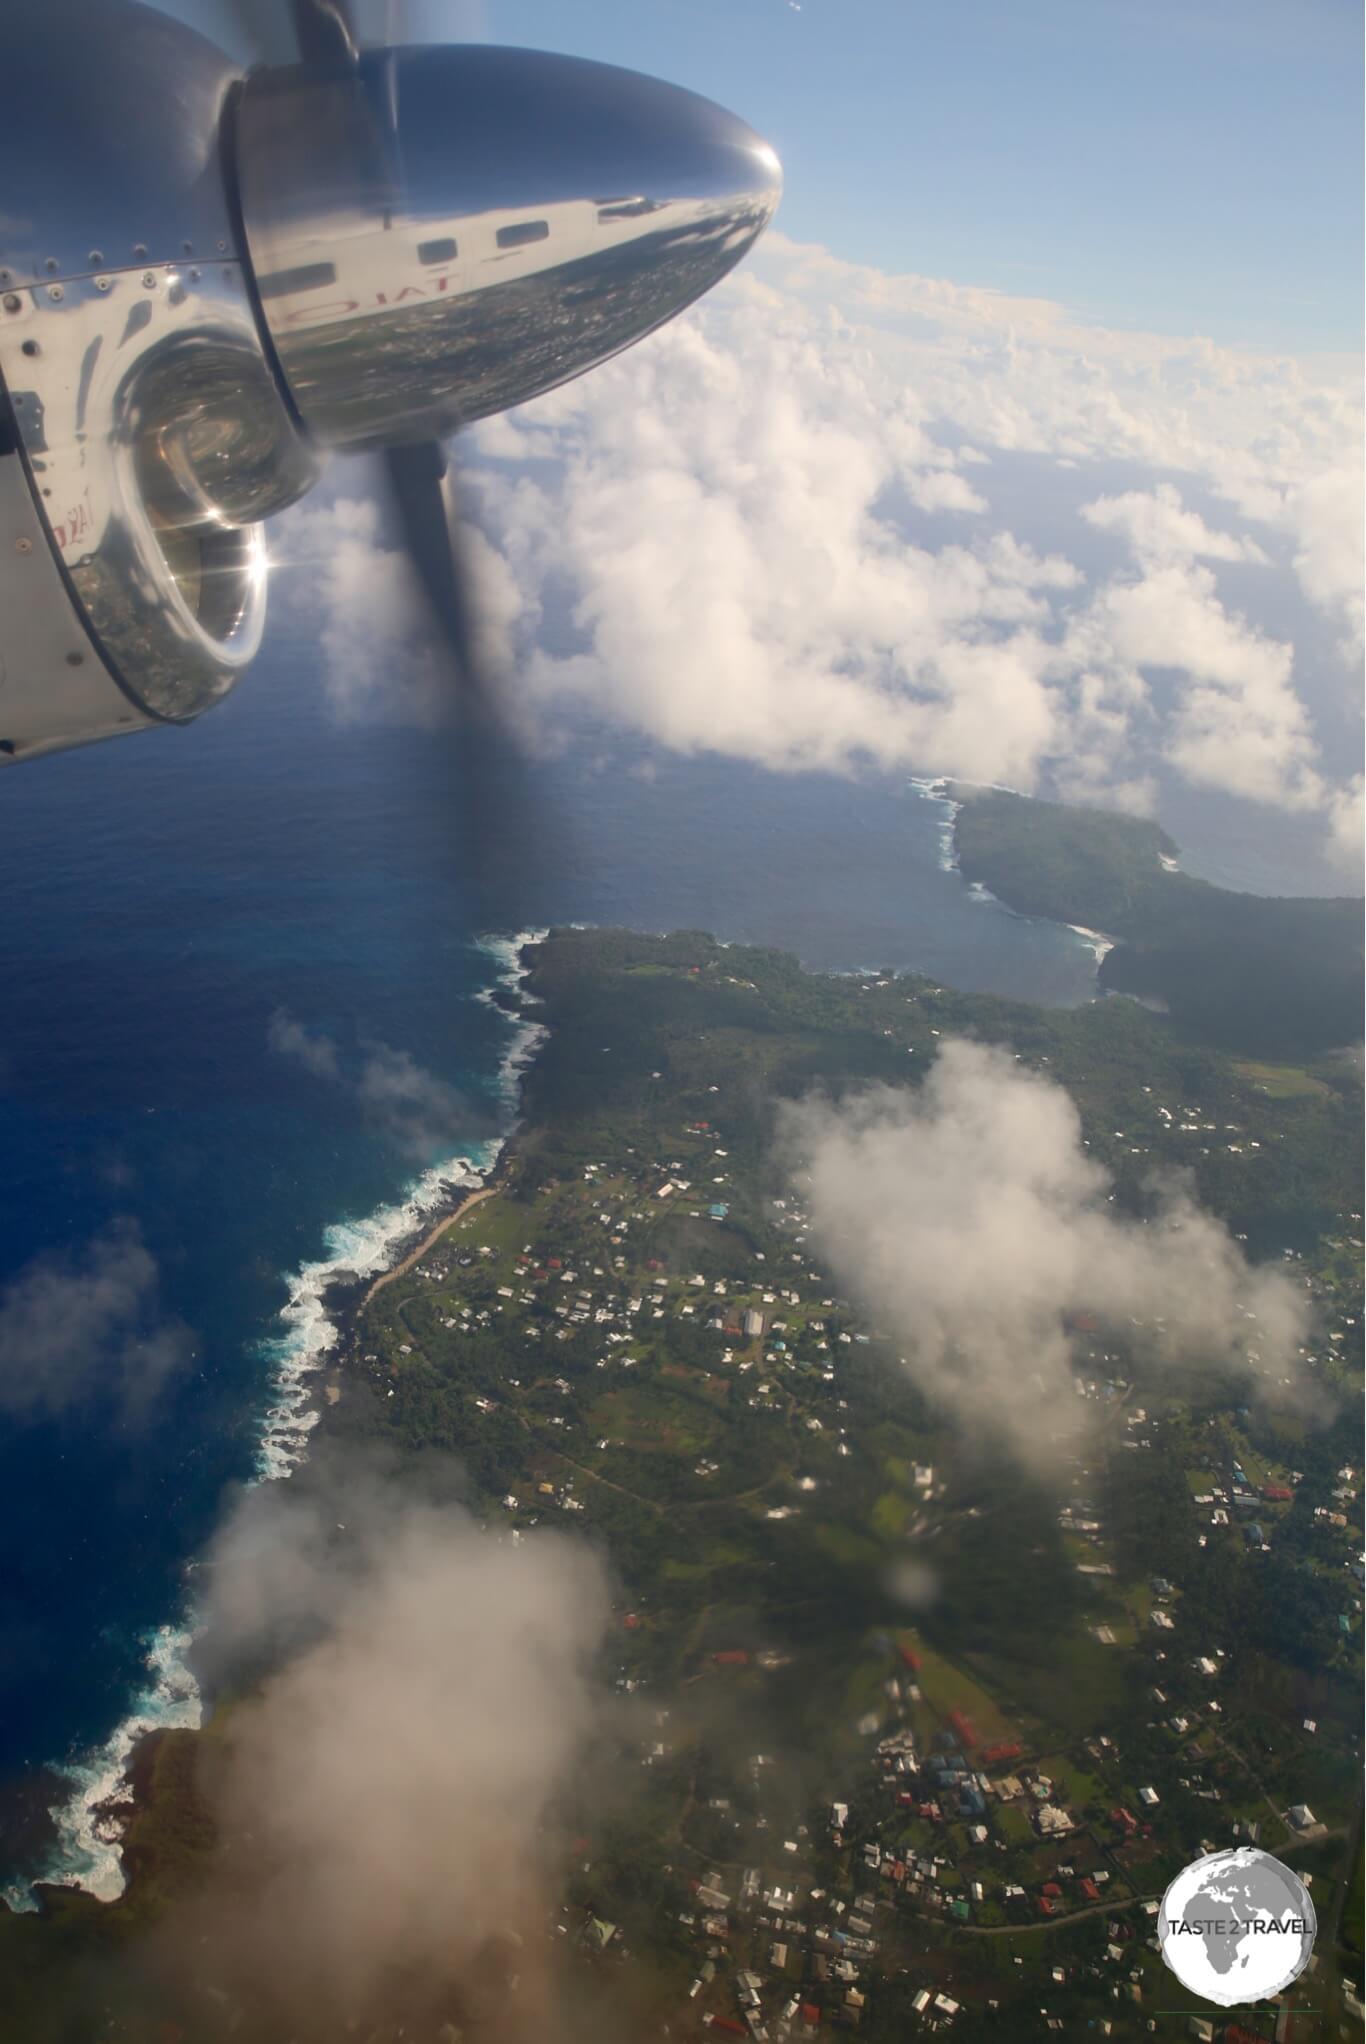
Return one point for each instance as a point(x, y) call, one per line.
point(1188, 166)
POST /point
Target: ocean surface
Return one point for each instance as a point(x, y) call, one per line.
point(166, 897)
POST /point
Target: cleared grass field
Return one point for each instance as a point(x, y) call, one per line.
point(1281, 1082)
point(1073, 1785)
point(947, 1687)
point(1078, 1689)
point(1012, 1821)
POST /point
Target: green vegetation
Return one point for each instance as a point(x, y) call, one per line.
point(664, 1065)
point(583, 1343)
point(1281, 1082)
point(1276, 977)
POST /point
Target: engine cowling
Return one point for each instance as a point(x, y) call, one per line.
point(353, 255)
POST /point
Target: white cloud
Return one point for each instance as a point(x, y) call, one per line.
point(723, 520)
point(421, 1114)
point(728, 539)
point(1160, 529)
point(1325, 516)
point(969, 1219)
point(1237, 721)
point(1025, 374)
point(311, 1049)
point(373, 658)
point(940, 489)
point(392, 1784)
point(379, 658)
point(86, 1329)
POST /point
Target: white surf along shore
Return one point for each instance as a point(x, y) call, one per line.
point(937, 791)
point(90, 1824)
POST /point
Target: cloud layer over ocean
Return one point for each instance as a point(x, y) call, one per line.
point(778, 530)
point(86, 1330)
point(422, 1115)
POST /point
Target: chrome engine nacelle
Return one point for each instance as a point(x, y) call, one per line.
point(208, 282)
point(146, 436)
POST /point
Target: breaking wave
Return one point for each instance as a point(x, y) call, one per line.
point(90, 1823)
point(937, 791)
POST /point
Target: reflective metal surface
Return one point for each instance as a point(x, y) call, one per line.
point(109, 142)
point(431, 235)
point(446, 232)
point(150, 421)
point(55, 690)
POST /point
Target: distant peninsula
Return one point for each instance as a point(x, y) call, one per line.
point(1263, 975)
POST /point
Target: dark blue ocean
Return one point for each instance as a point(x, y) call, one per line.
point(164, 898)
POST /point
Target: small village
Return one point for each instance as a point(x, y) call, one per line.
point(966, 1826)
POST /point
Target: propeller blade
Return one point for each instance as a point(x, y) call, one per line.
point(509, 839)
point(314, 32)
point(324, 32)
point(419, 480)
